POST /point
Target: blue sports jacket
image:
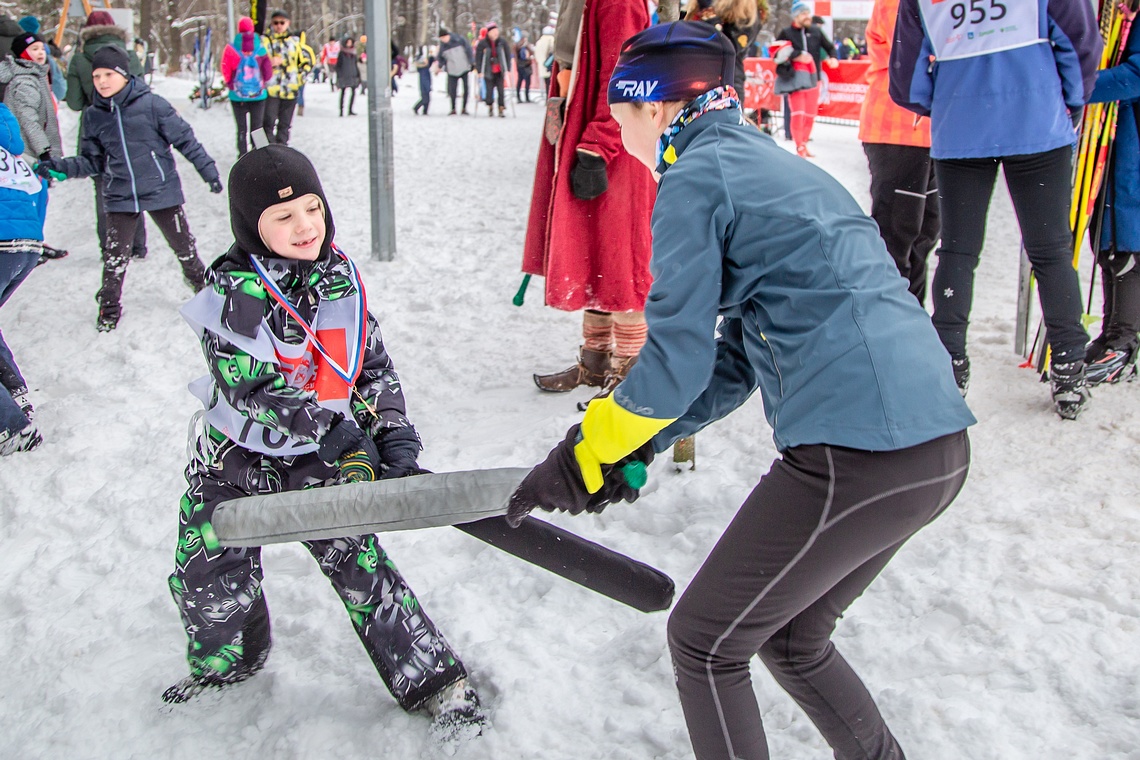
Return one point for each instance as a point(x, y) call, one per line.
point(1005, 103)
point(1122, 209)
point(21, 214)
point(814, 311)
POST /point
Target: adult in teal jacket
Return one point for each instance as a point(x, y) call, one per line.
point(856, 386)
point(1113, 354)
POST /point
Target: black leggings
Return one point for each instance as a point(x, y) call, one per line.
point(351, 99)
point(255, 112)
point(1040, 185)
point(904, 203)
point(814, 533)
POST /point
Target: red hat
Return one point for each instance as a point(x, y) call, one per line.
point(245, 24)
point(100, 18)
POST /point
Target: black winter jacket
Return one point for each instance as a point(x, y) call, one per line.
point(127, 139)
point(485, 59)
point(812, 39)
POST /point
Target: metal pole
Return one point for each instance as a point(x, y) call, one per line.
point(380, 129)
point(232, 29)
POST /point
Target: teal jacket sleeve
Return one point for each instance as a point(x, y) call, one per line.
point(733, 381)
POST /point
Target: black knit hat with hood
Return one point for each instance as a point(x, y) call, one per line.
point(265, 177)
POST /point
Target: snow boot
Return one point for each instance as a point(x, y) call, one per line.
point(591, 370)
point(1070, 391)
point(1105, 364)
point(51, 254)
point(619, 368)
point(108, 317)
point(961, 369)
point(20, 441)
point(457, 715)
point(20, 396)
point(502, 112)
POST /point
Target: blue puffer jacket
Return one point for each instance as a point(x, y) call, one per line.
point(21, 214)
point(815, 313)
point(1007, 103)
point(1122, 209)
point(127, 138)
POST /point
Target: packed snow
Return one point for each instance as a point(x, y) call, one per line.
point(1008, 629)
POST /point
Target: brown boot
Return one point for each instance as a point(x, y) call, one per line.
point(619, 368)
point(591, 369)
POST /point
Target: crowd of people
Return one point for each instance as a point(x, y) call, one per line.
point(698, 284)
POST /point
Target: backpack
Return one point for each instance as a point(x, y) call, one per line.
point(247, 79)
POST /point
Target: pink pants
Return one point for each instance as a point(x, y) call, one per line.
point(804, 105)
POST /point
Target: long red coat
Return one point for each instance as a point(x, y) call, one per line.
point(593, 254)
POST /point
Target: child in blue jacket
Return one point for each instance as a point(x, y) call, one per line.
point(128, 132)
point(23, 205)
point(858, 391)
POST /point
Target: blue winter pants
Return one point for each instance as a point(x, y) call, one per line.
point(14, 269)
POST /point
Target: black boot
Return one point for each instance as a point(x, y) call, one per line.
point(1070, 392)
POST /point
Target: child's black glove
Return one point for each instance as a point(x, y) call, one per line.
point(556, 483)
point(351, 450)
point(48, 169)
point(588, 177)
point(216, 186)
point(399, 448)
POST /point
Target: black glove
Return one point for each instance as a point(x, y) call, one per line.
point(399, 448)
point(615, 485)
point(45, 168)
point(351, 450)
point(588, 177)
point(557, 483)
point(215, 186)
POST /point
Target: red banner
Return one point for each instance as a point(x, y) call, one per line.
point(841, 96)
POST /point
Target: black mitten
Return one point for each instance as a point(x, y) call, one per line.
point(623, 480)
point(351, 450)
point(588, 177)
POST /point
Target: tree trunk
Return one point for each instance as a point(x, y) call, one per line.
point(146, 12)
point(174, 54)
point(506, 8)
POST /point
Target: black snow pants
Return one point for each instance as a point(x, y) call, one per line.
point(453, 90)
point(1040, 185)
point(138, 242)
point(121, 230)
point(219, 595)
point(817, 529)
point(904, 203)
point(254, 111)
point(278, 119)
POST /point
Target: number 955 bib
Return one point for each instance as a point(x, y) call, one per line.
point(971, 28)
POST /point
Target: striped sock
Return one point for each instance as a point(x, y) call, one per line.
point(629, 338)
point(597, 330)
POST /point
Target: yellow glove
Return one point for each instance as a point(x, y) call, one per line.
point(610, 433)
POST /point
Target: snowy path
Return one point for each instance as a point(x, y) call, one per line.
point(1007, 630)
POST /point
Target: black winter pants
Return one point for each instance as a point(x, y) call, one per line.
point(453, 89)
point(492, 84)
point(278, 119)
point(904, 203)
point(817, 529)
point(523, 83)
point(1040, 185)
point(351, 100)
point(138, 242)
point(121, 228)
point(219, 595)
point(254, 112)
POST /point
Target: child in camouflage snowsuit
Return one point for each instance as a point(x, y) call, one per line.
point(301, 394)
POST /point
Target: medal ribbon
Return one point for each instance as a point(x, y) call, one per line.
point(356, 354)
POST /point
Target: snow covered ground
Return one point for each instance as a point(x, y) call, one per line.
point(1007, 630)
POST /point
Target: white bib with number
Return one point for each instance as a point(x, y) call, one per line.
point(15, 174)
point(971, 28)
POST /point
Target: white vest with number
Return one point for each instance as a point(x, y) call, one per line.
point(972, 28)
point(302, 365)
point(15, 174)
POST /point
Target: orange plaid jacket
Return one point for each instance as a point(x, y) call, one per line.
point(881, 121)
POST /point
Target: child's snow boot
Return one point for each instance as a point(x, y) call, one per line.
point(108, 317)
point(591, 370)
point(23, 440)
point(457, 715)
point(1070, 391)
point(20, 396)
